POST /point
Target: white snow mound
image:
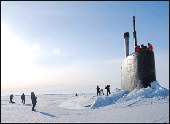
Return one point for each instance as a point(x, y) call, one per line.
point(121, 95)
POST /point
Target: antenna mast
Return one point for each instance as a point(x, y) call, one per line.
point(134, 33)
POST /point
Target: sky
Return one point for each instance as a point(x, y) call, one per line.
point(68, 46)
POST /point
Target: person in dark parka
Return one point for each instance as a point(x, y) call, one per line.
point(98, 90)
point(34, 100)
point(108, 89)
point(11, 97)
point(23, 98)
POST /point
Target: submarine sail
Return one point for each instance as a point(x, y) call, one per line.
point(138, 68)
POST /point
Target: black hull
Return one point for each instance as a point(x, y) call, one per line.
point(138, 70)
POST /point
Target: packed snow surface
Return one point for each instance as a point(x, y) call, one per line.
point(149, 104)
point(120, 95)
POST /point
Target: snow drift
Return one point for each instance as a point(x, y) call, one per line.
point(121, 95)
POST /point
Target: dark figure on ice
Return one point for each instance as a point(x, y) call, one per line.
point(23, 98)
point(101, 92)
point(76, 94)
point(108, 89)
point(98, 90)
point(34, 100)
point(11, 97)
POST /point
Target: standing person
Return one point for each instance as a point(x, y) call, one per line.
point(11, 97)
point(98, 90)
point(143, 47)
point(23, 98)
point(108, 89)
point(101, 92)
point(34, 100)
point(138, 49)
point(150, 47)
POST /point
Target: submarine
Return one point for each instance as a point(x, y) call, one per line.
point(138, 68)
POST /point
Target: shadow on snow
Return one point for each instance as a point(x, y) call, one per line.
point(45, 113)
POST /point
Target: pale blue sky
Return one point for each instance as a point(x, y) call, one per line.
point(78, 42)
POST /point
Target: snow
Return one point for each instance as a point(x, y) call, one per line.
point(120, 95)
point(146, 105)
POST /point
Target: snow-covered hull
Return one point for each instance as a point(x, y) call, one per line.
point(138, 70)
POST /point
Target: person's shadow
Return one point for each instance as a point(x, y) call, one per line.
point(47, 114)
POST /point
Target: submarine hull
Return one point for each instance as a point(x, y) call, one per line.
point(138, 70)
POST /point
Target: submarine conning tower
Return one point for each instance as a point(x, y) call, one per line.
point(138, 68)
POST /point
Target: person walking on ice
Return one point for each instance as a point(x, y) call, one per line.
point(108, 89)
point(23, 98)
point(34, 100)
point(11, 97)
point(98, 90)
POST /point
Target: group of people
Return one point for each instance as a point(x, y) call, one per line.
point(33, 98)
point(100, 91)
point(139, 49)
